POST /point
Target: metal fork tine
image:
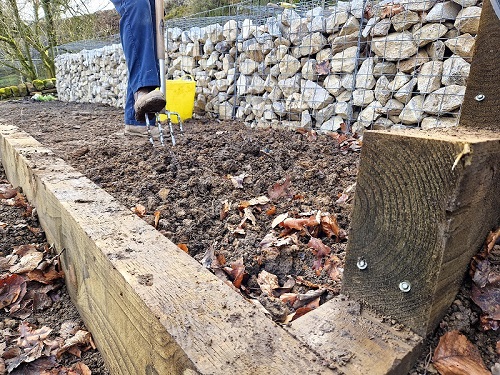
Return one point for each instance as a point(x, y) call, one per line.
point(160, 129)
point(171, 128)
point(148, 127)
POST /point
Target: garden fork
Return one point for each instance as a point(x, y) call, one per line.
point(160, 53)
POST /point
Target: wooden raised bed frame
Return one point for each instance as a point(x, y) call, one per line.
point(423, 206)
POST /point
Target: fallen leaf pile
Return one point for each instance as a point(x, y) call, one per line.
point(485, 272)
point(38, 349)
point(289, 232)
point(30, 278)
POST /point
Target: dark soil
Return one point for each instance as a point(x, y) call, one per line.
point(187, 186)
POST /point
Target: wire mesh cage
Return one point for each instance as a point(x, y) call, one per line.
point(343, 65)
point(329, 65)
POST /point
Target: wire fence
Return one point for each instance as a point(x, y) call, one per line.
point(328, 65)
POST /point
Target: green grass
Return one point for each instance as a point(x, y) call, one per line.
point(9, 80)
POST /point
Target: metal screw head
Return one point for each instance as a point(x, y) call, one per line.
point(362, 263)
point(480, 97)
point(405, 286)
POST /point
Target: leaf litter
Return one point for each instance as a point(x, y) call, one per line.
point(31, 280)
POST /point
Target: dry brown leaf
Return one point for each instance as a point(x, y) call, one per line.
point(8, 261)
point(248, 215)
point(320, 250)
point(300, 224)
point(488, 299)
point(81, 368)
point(268, 240)
point(280, 189)
point(289, 298)
point(47, 276)
point(267, 282)
point(29, 211)
point(236, 272)
point(34, 230)
point(329, 226)
point(301, 311)
point(220, 260)
point(455, 355)
point(271, 211)
point(27, 263)
point(139, 210)
point(11, 287)
point(333, 267)
point(157, 218)
point(7, 191)
point(68, 329)
point(20, 201)
point(342, 198)
point(279, 219)
point(225, 209)
point(486, 283)
point(183, 247)
point(81, 338)
point(25, 249)
point(253, 202)
point(30, 336)
point(304, 298)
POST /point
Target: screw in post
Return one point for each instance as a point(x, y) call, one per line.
point(404, 286)
point(362, 263)
point(480, 97)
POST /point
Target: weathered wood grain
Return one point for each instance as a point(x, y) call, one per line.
point(424, 204)
point(355, 341)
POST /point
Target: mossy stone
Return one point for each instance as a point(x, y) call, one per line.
point(8, 92)
point(30, 87)
point(15, 90)
point(39, 85)
point(23, 90)
point(2, 93)
point(48, 83)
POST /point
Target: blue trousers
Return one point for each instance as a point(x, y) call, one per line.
point(138, 36)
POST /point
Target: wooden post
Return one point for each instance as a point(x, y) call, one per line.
point(426, 200)
point(481, 106)
point(424, 204)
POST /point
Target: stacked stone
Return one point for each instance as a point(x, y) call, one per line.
point(387, 64)
point(95, 76)
point(207, 55)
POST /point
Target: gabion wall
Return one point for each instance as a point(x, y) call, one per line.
point(356, 63)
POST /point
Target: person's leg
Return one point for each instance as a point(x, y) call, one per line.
point(137, 32)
